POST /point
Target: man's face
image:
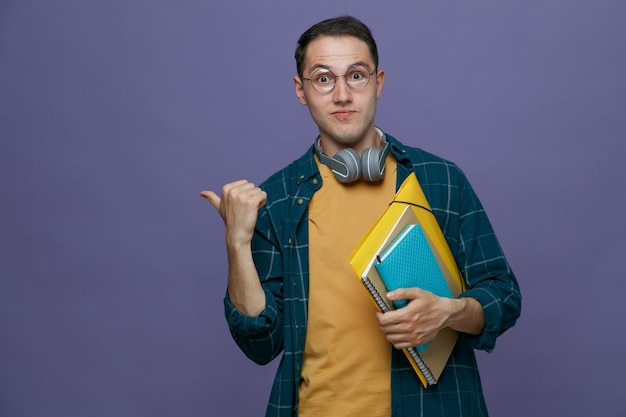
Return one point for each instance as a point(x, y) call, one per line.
point(345, 116)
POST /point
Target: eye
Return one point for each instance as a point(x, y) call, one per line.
point(322, 79)
point(357, 75)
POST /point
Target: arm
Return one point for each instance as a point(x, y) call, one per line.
point(238, 207)
point(489, 307)
point(426, 314)
point(488, 274)
point(253, 305)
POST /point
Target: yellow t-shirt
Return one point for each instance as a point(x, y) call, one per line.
point(347, 359)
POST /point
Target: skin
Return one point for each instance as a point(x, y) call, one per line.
point(238, 207)
point(345, 118)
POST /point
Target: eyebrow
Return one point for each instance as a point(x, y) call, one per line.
point(356, 64)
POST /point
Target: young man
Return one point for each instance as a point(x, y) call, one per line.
point(290, 287)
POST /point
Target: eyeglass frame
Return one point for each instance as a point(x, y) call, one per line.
point(335, 77)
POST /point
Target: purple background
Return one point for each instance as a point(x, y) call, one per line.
point(115, 114)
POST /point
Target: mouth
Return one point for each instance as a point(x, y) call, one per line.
point(343, 114)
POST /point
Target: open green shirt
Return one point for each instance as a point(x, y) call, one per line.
point(280, 251)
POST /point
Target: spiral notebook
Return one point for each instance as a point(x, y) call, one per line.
point(409, 262)
point(410, 207)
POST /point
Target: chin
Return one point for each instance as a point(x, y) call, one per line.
point(347, 138)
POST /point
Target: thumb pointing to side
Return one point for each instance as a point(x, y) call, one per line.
point(238, 206)
point(213, 198)
point(215, 201)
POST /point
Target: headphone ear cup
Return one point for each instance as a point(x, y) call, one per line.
point(373, 164)
point(349, 159)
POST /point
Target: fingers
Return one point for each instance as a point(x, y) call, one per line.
point(238, 206)
point(244, 194)
point(404, 294)
point(241, 190)
point(213, 198)
point(416, 323)
point(402, 332)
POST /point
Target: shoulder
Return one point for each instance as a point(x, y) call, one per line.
point(289, 178)
point(430, 169)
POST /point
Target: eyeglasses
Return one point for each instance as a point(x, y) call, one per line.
point(323, 80)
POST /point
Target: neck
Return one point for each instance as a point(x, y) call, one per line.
point(372, 139)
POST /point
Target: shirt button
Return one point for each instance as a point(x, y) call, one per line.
point(315, 181)
point(300, 201)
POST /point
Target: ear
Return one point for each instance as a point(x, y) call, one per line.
point(297, 83)
point(380, 80)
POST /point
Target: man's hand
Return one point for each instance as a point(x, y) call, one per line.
point(416, 323)
point(238, 206)
point(426, 314)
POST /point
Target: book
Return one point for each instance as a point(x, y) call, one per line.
point(409, 262)
point(410, 207)
point(405, 218)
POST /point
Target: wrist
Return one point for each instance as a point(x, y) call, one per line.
point(466, 315)
point(236, 244)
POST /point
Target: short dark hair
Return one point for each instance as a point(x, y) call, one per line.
point(337, 26)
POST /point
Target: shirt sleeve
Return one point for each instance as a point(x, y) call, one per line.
point(487, 272)
point(261, 337)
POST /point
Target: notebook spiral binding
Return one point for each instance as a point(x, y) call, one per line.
point(416, 356)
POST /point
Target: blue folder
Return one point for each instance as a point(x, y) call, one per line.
point(409, 262)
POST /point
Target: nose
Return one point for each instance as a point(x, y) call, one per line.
point(342, 92)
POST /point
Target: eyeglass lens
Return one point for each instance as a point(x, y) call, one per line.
point(323, 80)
